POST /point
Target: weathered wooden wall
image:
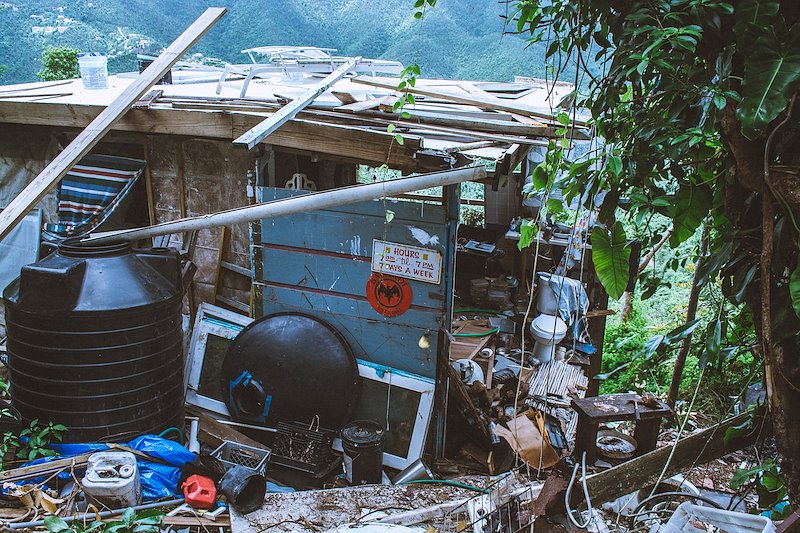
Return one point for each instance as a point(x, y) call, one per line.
point(214, 176)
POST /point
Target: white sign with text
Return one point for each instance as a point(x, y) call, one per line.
point(411, 262)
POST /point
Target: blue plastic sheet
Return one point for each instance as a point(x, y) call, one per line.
point(158, 480)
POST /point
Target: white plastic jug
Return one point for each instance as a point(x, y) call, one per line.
point(112, 478)
point(94, 69)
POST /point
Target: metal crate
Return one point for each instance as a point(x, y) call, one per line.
point(231, 454)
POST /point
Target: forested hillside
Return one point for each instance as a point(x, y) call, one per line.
point(458, 39)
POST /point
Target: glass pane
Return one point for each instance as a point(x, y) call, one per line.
point(402, 415)
point(211, 376)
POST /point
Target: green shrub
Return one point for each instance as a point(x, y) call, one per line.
point(59, 63)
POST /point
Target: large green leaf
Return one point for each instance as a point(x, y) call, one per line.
point(711, 346)
point(681, 332)
point(771, 76)
point(751, 16)
point(691, 207)
point(794, 288)
point(527, 233)
point(610, 254)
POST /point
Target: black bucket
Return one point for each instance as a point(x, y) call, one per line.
point(243, 488)
point(362, 442)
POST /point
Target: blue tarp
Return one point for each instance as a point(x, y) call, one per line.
point(158, 480)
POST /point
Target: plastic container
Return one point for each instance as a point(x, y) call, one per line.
point(95, 341)
point(362, 442)
point(243, 488)
point(231, 454)
point(112, 478)
point(94, 69)
point(199, 491)
point(304, 448)
point(690, 518)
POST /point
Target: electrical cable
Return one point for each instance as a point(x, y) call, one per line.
point(660, 495)
point(680, 432)
point(568, 493)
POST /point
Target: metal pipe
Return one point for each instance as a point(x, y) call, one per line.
point(296, 204)
point(104, 514)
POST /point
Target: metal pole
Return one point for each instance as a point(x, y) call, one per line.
point(296, 204)
point(95, 516)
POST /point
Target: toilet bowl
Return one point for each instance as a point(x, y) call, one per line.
point(547, 331)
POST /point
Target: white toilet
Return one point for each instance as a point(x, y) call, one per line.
point(547, 331)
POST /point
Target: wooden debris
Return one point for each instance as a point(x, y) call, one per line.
point(552, 386)
point(213, 433)
point(357, 107)
point(643, 471)
point(147, 100)
point(343, 97)
point(43, 469)
point(472, 99)
point(257, 134)
point(196, 521)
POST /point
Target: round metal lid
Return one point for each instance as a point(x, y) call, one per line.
point(290, 367)
point(363, 432)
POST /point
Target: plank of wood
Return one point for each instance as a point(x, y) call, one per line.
point(475, 100)
point(148, 183)
point(387, 104)
point(213, 433)
point(357, 107)
point(89, 137)
point(356, 144)
point(41, 469)
point(525, 120)
point(234, 304)
point(37, 95)
point(257, 134)
point(470, 146)
point(223, 243)
point(147, 100)
point(242, 271)
point(345, 98)
point(465, 123)
point(36, 85)
point(643, 471)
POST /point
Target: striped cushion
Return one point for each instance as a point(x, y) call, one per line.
point(91, 191)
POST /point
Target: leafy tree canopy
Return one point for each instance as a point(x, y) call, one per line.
point(694, 100)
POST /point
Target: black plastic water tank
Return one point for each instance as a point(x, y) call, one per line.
point(94, 341)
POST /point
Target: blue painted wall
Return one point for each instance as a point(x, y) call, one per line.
point(319, 262)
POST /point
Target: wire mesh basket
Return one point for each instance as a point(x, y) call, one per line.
point(231, 454)
point(503, 508)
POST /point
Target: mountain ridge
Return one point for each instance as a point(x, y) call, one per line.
point(458, 39)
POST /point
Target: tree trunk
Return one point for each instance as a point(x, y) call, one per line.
point(781, 361)
point(627, 297)
point(691, 312)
